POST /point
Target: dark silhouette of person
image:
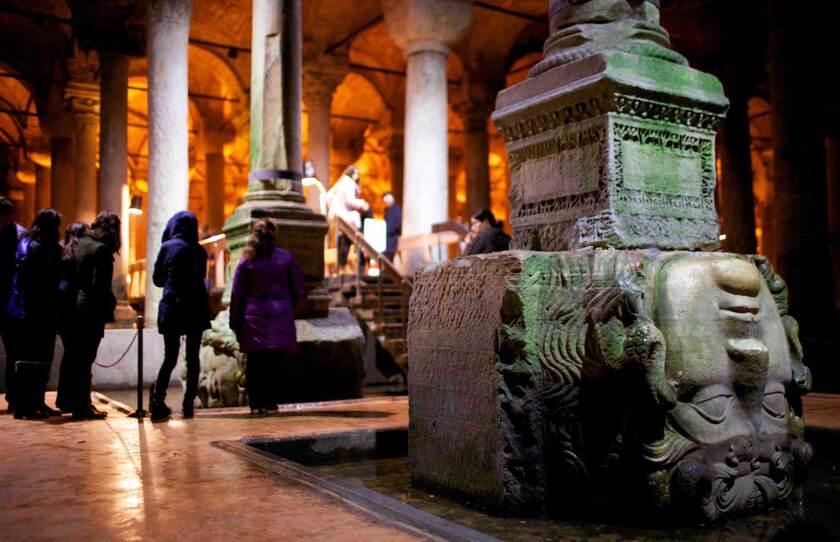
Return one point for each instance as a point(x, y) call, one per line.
point(88, 259)
point(32, 318)
point(267, 283)
point(393, 225)
point(9, 236)
point(180, 269)
point(95, 304)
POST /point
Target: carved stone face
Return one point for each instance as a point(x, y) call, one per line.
point(728, 442)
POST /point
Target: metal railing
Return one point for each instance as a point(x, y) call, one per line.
point(218, 255)
point(386, 269)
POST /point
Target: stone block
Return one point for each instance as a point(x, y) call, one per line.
point(660, 380)
point(329, 364)
point(613, 150)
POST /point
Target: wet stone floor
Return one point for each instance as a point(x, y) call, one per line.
point(122, 480)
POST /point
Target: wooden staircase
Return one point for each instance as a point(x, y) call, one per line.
point(379, 301)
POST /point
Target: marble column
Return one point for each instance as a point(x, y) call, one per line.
point(62, 177)
point(113, 131)
point(799, 179)
point(27, 213)
point(42, 187)
point(168, 40)
point(476, 153)
point(214, 163)
point(321, 76)
point(113, 147)
point(425, 29)
point(396, 161)
point(275, 189)
point(84, 103)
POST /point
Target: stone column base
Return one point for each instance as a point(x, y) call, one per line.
point(328, 366)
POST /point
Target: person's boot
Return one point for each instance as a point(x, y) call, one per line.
point(158, 409)
point(188, 409)
point(50, 412)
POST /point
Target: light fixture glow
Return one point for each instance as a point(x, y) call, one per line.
point(136, 206)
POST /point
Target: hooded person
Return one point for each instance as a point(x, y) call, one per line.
point(184, 309)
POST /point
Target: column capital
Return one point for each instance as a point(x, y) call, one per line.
point(82, 89)
point(426, 25)
point(170, 11)
point(475, 113)
point(83, 99)
point(321, 76)
point(215, 138)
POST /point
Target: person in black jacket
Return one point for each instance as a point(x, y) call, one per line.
point(32, 318)
point(9, 235)
point(393, 225)
point(69, 291)
point(486, 234)
point(95, 303)
point(184, 309)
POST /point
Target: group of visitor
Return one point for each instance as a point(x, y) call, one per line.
point(49, 290)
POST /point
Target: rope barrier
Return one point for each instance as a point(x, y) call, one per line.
point(122, 357)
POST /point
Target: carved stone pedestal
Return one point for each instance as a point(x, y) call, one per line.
point(613, 150)
point(541, 382)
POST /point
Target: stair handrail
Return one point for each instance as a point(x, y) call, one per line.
point(358, 238)
point(385, 267)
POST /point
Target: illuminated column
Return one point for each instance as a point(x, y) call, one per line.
point(42, 187)
point(425, 29)
point(84, 102)
point(321, 76)
point(476, 153)
point(168, 39)
point(113, 145)
point(214, 162)
point(62, 177)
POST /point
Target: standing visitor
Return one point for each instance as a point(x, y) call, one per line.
point(344, 202)
point(32, 318)
point(267, 283)
point(184, 309)
point(68, 290)
point(9, 235)
point(93, 271)
point(393, 224)
point(486, 234)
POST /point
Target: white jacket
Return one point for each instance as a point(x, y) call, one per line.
point(343, 201)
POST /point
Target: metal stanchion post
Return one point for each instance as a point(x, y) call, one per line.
point(140, 413)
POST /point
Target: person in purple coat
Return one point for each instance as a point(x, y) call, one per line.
point(267, 283)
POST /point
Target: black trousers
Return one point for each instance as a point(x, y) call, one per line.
point(74, 382)
point(344, 245)
point(171, 346)
point(262, 378)
point(31, 342)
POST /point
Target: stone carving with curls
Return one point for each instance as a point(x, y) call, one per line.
point(624, 404)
